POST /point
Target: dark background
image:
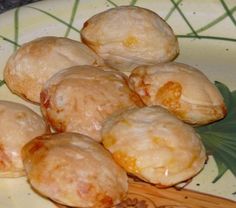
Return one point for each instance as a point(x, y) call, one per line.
point(10, 4)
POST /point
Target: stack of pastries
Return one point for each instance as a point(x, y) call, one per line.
point(98, 123)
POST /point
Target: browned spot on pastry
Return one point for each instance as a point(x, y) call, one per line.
point(169, 95)
point(5, 161)
point(37, 145)
point(145, 88)
point(137, 80)
point(36, 48)
point(21, 115)
point(85, 24)
point(24, 96)
point(133, 95)
point(93, 45)
point(45, 99)
point(224, 109)
point(221, 112)
point(126, 161)
point(215, 113)
point(85, 190)
point(107, 201)
point(136, 99)
point(60, 126)
point(60, 205)
point(2, 111)
point(57, 124)
point(95, 63)
point(57, 167)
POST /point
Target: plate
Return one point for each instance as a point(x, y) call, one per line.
point(206, 32)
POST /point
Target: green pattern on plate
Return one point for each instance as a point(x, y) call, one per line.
point(56, 18)
point(73, 13)
point(172, 10)
point(16, 26)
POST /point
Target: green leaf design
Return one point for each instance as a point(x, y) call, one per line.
point(222, 168)
point(2, 82)
point(234, 96)
point(224, 90)
point(219, 138)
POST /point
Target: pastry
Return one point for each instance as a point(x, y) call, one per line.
point(80, 98)
point(182, 89)
point(74, 170)
point(18, 125)
point(129, 36)
point(36, 61)
point(154, 145)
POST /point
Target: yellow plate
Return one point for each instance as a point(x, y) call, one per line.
point(206, 31)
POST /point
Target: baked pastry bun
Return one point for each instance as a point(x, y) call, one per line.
point(74, 170)
point(35, 62)
point(154, 145)
point(182, 89)
point(128, 36)
point(18, 125)
point(79, 99)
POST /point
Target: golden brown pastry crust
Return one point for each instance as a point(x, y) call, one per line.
point(183, 90)
point(18, 125)
point(80, 98)
point(128, 36)
point(74, 170)
point(154, 145)
point(35, 62)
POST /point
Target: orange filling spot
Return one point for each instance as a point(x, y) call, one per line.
point(126, 161)
point(130, 42)
point(21, 115)
point(156, 140)
point(126, 122)
point(108, 141)
point(169, 94)
point(160, 142)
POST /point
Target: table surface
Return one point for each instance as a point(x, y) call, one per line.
point(10, 4)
